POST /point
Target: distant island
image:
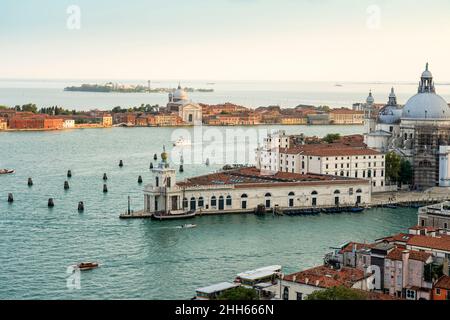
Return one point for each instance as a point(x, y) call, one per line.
point(123, 88)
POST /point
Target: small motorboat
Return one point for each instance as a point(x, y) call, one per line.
point(181, 142)
point(85, 266)
point(7, 171)
point(188, 226)
point(357, 209)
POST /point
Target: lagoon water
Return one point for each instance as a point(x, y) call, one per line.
point(142, 259)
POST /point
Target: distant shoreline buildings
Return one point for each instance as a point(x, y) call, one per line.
point(181, 111)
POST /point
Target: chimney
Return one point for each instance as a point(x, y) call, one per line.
point(306, 280)
point(295, 278)
point(317, 283)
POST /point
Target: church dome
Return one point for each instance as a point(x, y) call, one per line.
point(180, 94)
point(426, 104)
point(370, 100)
point(390, 114)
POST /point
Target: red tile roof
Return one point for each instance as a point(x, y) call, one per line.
point(443, 283)
point(252, 177)
point(397, 254)
point(441, 242)
point(325, 277)
point(357, 246)
point(330, 150)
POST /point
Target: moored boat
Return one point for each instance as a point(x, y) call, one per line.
point(85, 266)
point(169, 216)
point(7, 171)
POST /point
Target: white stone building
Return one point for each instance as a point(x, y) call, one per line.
point(338, 159)
point(69, 124)
point(415, 132)
point(243, 190)
point(191, 113)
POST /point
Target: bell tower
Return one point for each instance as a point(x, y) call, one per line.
point(165, 177)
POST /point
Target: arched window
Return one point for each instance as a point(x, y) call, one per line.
point(193, 204)
point(268, 200)
point(229, 202)
point(337, 192)
point(286, 294)
point(185, 203)
point(314, 193)
point(359, 191)
point(244, 199)
point(213, 201)
point(369, 174)
point(201, 202)
point(291, 199)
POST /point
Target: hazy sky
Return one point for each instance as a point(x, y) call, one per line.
point(320, 40)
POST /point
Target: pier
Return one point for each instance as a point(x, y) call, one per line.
point(136, 215)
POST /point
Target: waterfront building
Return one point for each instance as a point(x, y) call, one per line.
point(107, 120)
point(320, 119)
point(298, 286)
point(127, 118)
point(345, 116)
point(3, 124)
point(69, 124)
point(243, 190)
point(189, 112)
point(35, 122)
point(417, 134)
point(293, 120)
point(345, 158)
point(435, 216)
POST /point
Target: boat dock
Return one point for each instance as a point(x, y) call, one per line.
point(136, 215)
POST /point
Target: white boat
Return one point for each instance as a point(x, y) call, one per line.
point(181, 142)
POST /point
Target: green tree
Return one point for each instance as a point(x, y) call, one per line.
point(406, 172)
point(332, 137)
point(393, 165)
point(239, 294)
point(338, 293)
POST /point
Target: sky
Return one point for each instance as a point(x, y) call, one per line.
point(273, 40)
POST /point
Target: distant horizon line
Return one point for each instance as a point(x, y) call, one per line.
point(176, 81)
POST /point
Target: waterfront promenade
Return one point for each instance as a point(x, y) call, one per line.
point(411, 198)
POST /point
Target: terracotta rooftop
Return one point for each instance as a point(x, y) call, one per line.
point(401, 237)
point(355, 245)
point(252, 177)
point(325, 277)
point(441, 242)
point(397, 254)
point(330, 150)
point(443, 283)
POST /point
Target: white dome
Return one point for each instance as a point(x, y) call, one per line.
point(427, 74)
point(426, 106)
point(180, 94)
point(370, 99)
